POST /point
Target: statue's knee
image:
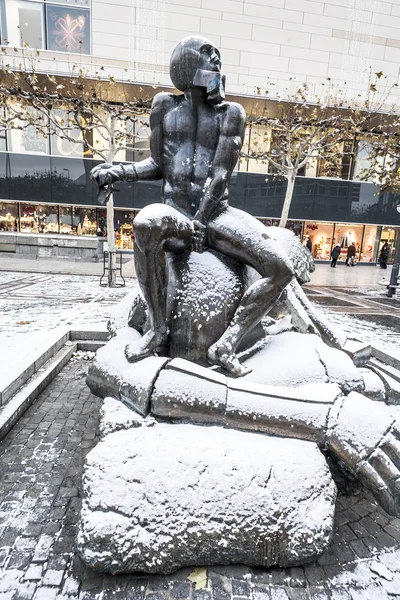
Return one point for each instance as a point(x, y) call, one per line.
point(283, 275)
point(146, 229)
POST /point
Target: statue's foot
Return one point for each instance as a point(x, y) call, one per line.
point(221, 354)
point(149, 344)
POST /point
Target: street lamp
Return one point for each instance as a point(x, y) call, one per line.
point(393, 284)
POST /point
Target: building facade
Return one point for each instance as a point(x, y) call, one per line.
point(265, 46)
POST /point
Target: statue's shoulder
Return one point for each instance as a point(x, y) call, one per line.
point(235, 110)
point(163, 101)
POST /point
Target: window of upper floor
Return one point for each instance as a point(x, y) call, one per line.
point(59, 25)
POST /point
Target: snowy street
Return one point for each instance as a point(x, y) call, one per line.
point(39, 302)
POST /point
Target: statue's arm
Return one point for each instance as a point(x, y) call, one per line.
point(148, 169)
point(226, 156)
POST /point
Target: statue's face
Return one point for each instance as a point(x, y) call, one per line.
point(209, 58)
point(191, 55)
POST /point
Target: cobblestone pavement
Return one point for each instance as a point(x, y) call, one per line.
point(40, 476)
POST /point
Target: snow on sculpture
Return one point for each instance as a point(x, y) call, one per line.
point(217, 337)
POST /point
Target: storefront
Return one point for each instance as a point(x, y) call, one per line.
point(66, 220)
point(368, 239)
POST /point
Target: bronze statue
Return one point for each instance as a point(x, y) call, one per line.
point(193, 256)
point(195, 143)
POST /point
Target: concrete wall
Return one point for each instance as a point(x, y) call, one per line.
point(49, 246)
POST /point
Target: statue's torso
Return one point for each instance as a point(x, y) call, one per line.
point(190, 139)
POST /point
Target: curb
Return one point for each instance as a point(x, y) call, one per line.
point(34, 373)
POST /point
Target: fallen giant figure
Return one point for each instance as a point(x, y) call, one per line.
point(217, 336)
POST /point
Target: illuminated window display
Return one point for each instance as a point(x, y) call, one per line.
point(389, 235)
point(8, 216)
point(54, 219)
point(347, 233)
point(321, 235)
point(368, 249)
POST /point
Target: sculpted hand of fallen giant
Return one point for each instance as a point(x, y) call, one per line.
point(209, 275)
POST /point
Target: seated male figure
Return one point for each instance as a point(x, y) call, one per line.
point(195, 144)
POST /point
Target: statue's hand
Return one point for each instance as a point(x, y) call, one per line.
point(199, 236)
point(365, 436)
point(105, 174)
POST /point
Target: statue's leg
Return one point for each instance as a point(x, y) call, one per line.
point(240, 236)
point(158, 228)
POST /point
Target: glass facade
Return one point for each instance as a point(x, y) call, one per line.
point(48, 25)
point(41, 193)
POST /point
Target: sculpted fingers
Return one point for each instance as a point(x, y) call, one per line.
point(99, 174)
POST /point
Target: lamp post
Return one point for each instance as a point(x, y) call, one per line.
point(396, 265)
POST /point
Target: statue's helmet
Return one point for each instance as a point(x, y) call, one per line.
point(187, 58)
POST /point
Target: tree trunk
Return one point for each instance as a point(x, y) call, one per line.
point(288, 199)
point(112, 255)
point(112, 275)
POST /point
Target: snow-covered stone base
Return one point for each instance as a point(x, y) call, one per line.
point(159, 498)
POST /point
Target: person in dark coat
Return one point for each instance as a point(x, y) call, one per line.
point(335, 255)
point(384, 255)
point(309, 244)
point(351, 252)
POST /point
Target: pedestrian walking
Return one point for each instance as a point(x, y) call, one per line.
point(335, 255)
point(351, 254)
point(384, 255)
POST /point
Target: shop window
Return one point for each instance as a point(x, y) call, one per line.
point(345, 235)
point(27, 221)
point(28, 138)
point(8, 216)
point(25, 23)
point(369, 244)
point(66, 220)
point(389, 235)
point(61, 143)
point(84, 220)
point(321, 236)
point(44, 25)
point(68, 29)
point(139, 148)
point(123, 228)
point(37, 218)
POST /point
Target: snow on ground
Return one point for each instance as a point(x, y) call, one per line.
point(42, 303)
point(366, 331)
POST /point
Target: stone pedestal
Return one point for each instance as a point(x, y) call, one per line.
point(159, 498)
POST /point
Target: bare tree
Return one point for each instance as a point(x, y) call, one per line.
point(304, 129)
point(92, 111)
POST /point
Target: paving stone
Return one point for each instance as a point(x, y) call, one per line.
point(25, 591)
point(181, 589)
point(240, 588)
point(34, 573)
point(53, 577)
point(221, 589)
point(261, 593)
point(46, 593)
